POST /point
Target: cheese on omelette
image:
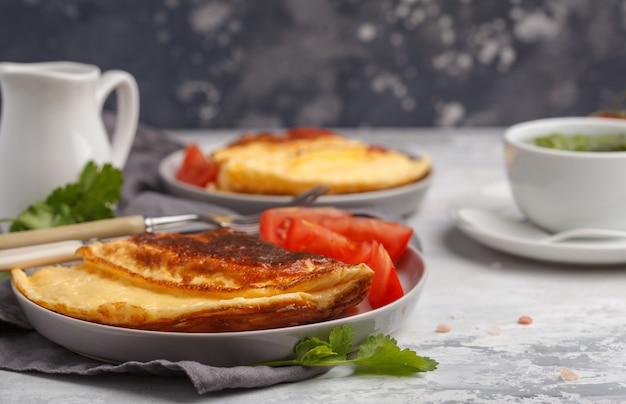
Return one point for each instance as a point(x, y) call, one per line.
point(274, 165)
point(214, 281)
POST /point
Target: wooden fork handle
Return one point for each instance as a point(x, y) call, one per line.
point(116, 227)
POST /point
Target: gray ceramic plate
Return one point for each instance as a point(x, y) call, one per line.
point(404, 200)
point(115, 344)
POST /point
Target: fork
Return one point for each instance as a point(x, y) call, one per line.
point(127, 225)
point(244, 223)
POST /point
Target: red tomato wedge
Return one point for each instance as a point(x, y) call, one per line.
point(196, 168)
point(395, 237)
point(330, 232)
point(313, 238)
point(308, 133)
point(276, 222)
point(309, 237)
point(386, 287)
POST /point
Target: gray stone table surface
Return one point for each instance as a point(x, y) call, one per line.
point(578, 312)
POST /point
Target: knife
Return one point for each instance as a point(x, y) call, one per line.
point(106, 228)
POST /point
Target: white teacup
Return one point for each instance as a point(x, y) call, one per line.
point(561, 190)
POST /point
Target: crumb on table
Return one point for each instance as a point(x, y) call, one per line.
point(525, 320)
point(567, 374)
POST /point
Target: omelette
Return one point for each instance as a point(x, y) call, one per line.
point(215, 281)
point(279, 165)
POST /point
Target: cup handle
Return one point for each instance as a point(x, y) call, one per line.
point(127, 111)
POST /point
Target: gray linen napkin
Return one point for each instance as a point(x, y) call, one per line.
point(24, 350)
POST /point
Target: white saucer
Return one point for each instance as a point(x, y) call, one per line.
point(490, 216)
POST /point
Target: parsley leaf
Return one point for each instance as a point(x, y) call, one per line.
point(91, 198)
point(378, 354)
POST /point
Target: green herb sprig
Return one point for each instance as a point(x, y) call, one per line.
point(377, 354)
point(91, 198)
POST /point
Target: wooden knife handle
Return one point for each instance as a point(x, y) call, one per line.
point(116, 227)
point(37, 255)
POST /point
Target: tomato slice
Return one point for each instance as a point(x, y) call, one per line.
point(308, 133)
point(386, 287)
point(335, 233)
point(275, 222)
point(196, 168)
point(313, 238)
point(395, 237)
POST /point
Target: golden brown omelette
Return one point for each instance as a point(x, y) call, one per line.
point(272, 164)
point(214, 281)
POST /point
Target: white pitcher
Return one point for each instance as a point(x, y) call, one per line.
point(51, 126)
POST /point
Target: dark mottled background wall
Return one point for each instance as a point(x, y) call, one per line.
point(342, 63)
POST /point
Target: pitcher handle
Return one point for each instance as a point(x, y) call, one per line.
point(127, 111)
